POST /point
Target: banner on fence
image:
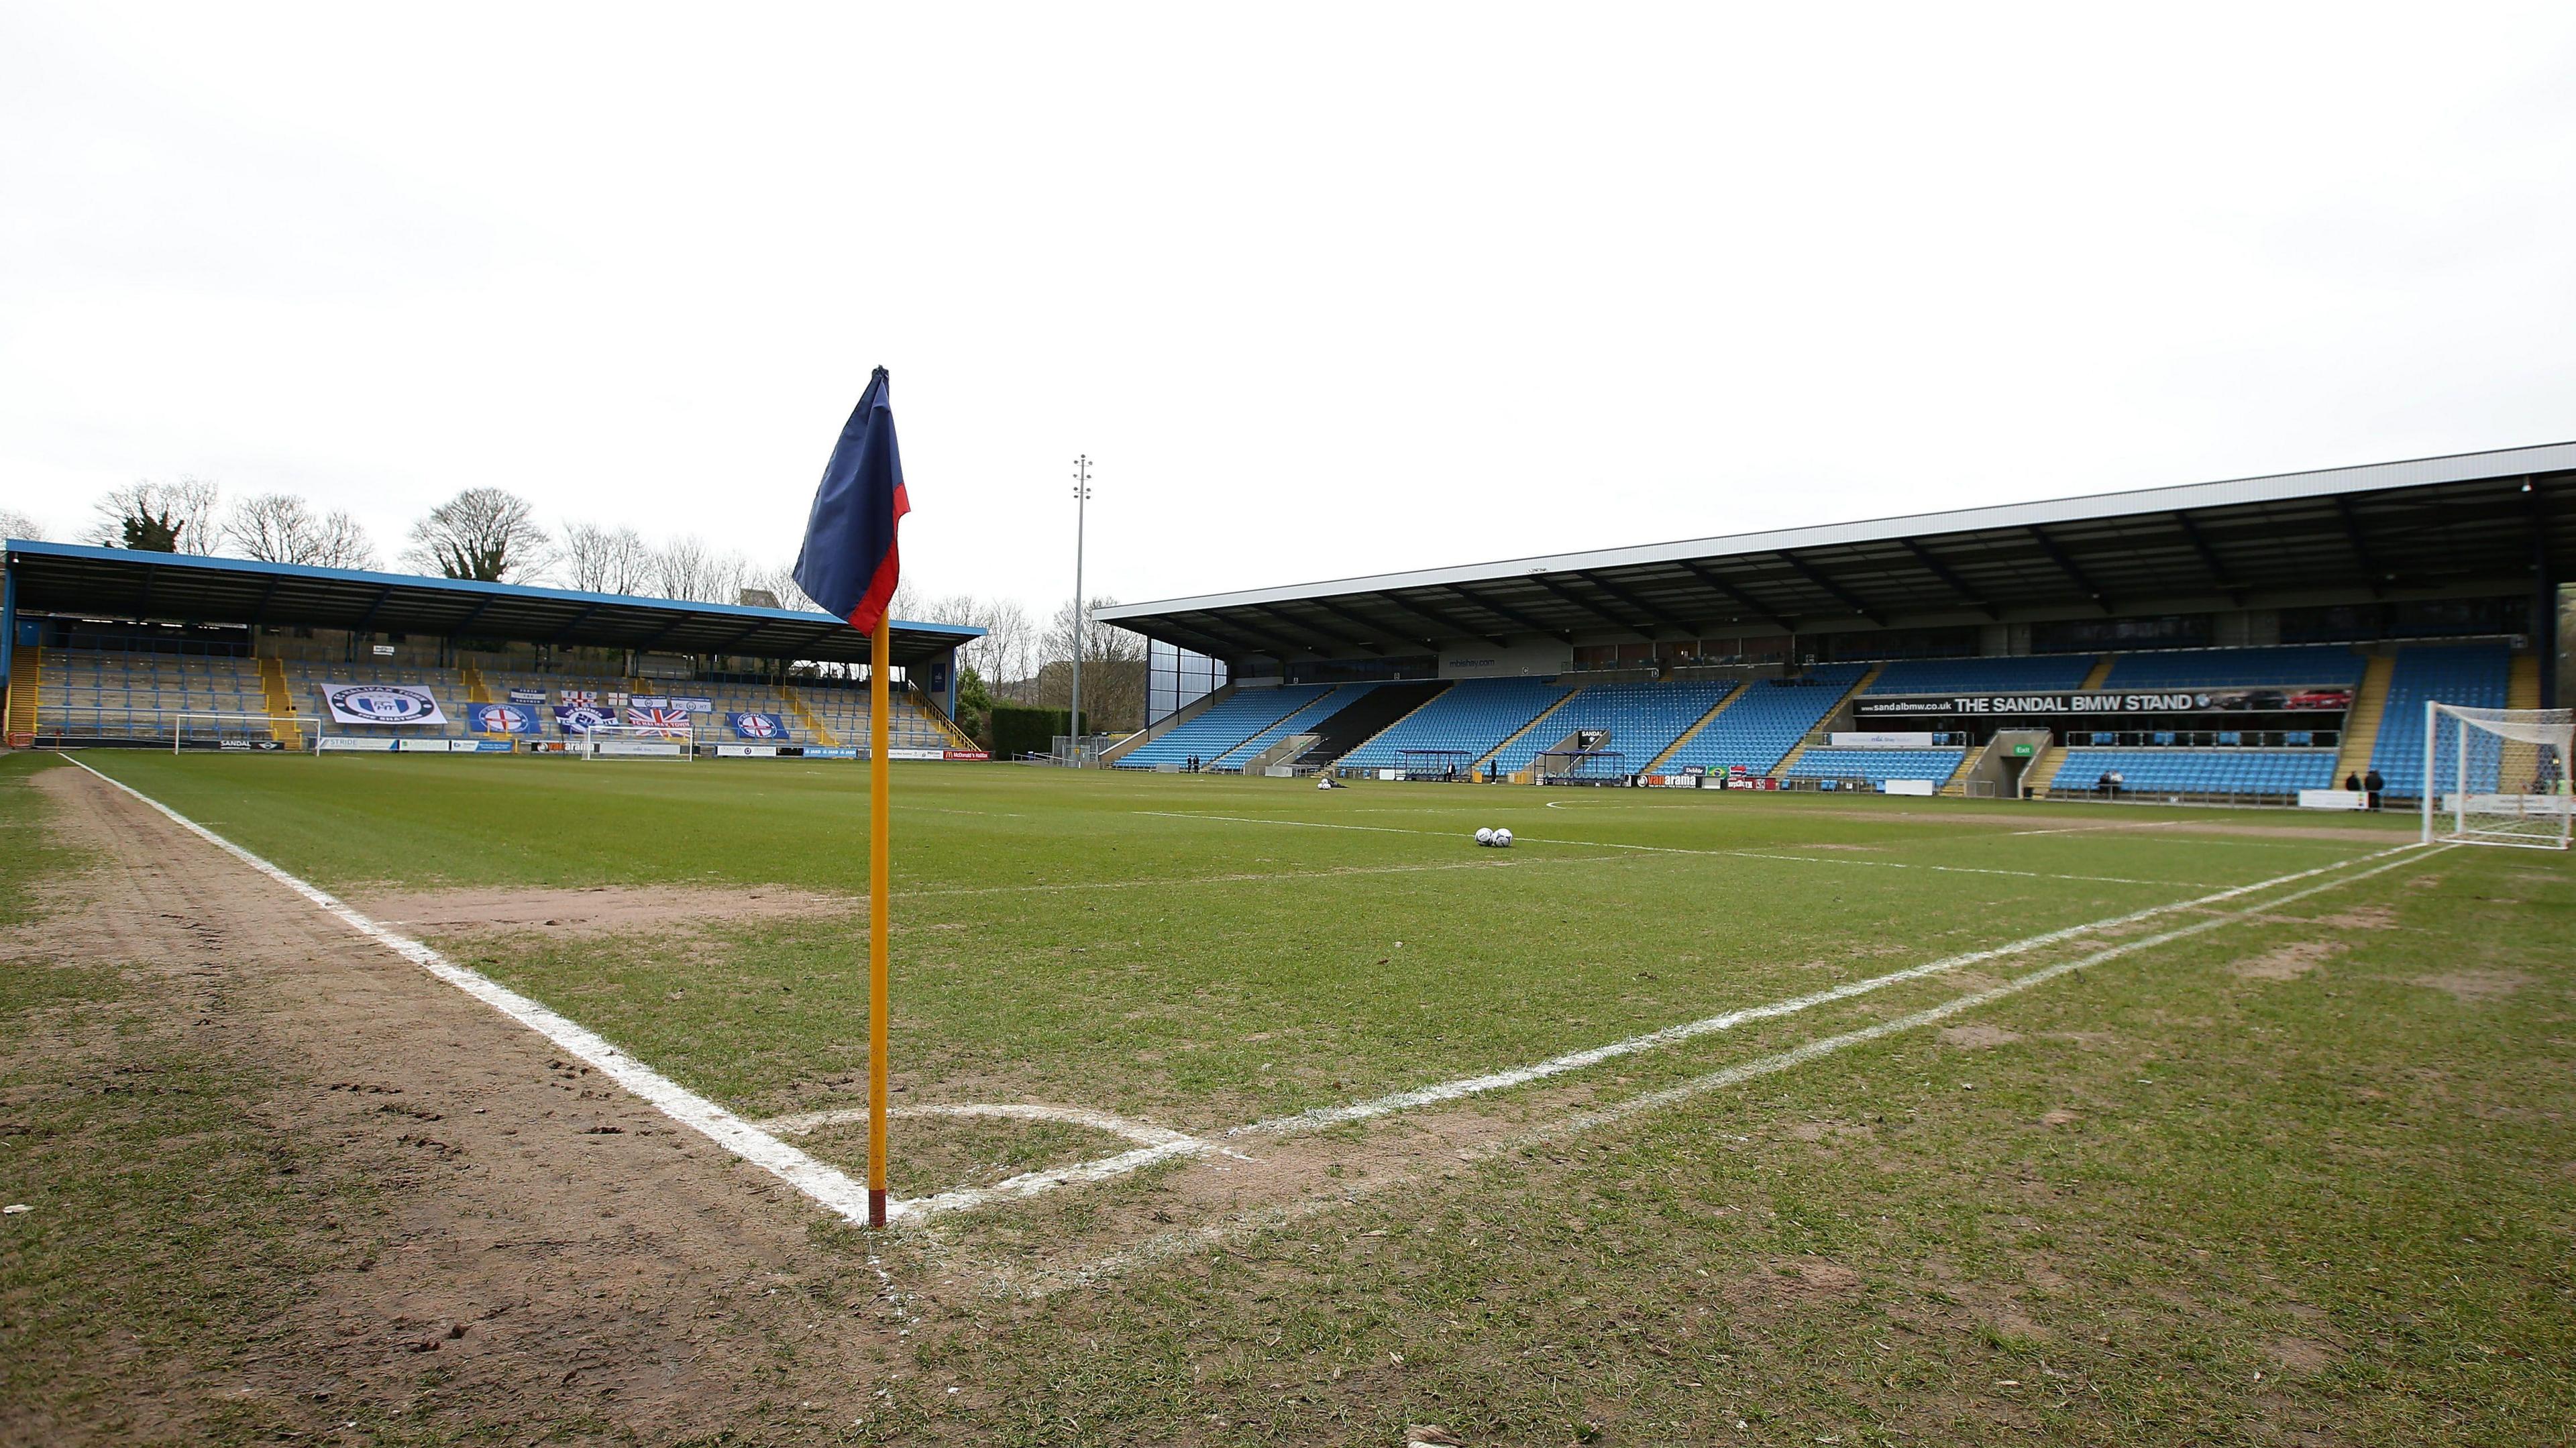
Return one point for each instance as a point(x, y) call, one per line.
point(1847, 740)
point(581, 698)
point(674, 723)
point(2330, 697)
point(382, 704)
point(581, 718)
point(757, 726)
point(503, 719)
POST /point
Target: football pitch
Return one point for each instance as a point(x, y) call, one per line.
point(1233, 1110)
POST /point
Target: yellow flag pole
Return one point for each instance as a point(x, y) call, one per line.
point(879, 645)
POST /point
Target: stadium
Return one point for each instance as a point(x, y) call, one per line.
point(2019, 972)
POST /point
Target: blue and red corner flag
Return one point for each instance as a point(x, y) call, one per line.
point(849, 563)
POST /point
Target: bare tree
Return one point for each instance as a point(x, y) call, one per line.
point(14, 524)
point(778, 580)
point(597, 559)
point(341, 542)
point(1001, 657)
point(1113, 668)
point(686, 568)
point(482, 533)
point(282, 528)
point(178, 517)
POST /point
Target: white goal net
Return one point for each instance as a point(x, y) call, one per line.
point(234, 731)
point(2497, 776)
point(640, 741)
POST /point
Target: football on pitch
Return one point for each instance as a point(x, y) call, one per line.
point(1484, 837)
point(1502, 839)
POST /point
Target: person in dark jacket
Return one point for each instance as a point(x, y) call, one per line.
point(2373, 782)
point(2352, 784)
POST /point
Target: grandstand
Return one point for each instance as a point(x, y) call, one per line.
point(112, 647)
point(2238, 641)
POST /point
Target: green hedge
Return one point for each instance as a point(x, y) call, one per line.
point(1020, 729)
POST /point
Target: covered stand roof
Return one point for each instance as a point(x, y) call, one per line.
point(2497, 522)
point(122, 583)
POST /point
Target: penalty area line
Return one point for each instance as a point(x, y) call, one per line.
point(826, 1185)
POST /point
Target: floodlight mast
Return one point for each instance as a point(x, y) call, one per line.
point(1081, 502)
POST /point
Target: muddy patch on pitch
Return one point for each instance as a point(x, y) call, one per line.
point(1807, 1280)
point(2474, 987)
point(598, 909)
point(2300, 1356)
point(2288, 962)
point(1977, 1037)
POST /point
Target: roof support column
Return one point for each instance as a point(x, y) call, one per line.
point(2544, 598)
point(8, 628)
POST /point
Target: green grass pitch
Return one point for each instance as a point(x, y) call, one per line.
point(2326, 1144)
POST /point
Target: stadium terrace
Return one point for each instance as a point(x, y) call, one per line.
point(2246, 640)
point(110, 647)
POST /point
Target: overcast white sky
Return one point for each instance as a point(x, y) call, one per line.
point(1325, 290)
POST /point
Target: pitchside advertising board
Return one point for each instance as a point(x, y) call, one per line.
point(2195, 701)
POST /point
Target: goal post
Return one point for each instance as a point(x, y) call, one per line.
point(196, 729)
point(640, 741)
point(2497, 776)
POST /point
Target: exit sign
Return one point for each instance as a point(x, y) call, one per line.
point(2021, 749)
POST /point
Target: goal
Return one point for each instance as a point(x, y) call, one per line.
point(640, 741)
point(2497, 776)
point(234, 732)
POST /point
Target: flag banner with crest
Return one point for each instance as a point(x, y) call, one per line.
point(581, 718)
point(381, 704)
point(768, 728)
point(503, 719)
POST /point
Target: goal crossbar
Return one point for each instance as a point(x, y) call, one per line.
point(2497, 776)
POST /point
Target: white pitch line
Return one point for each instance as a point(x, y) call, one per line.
point(1687, 850)
point(1031, 1184)
point(1247, 877)
point(1140, 1132)
point(1172, 1244)
point(827, 1185)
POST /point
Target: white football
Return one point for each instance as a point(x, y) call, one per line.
point(1503, 839)
point(1484, 837)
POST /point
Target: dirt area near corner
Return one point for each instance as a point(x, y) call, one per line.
point(510, 1198)
point(594, 910)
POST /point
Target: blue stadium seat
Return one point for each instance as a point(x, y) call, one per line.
point(1878, 766)
point(1642, 720)
point(1763, 725)
point(2199, 771)
point(1471, 716)
point(2471, 675)
point(1223, 725)
point(1332, 703)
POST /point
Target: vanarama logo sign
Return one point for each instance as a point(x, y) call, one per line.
point(382, 704)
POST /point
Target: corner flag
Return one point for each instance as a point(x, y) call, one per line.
point(848, 563)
